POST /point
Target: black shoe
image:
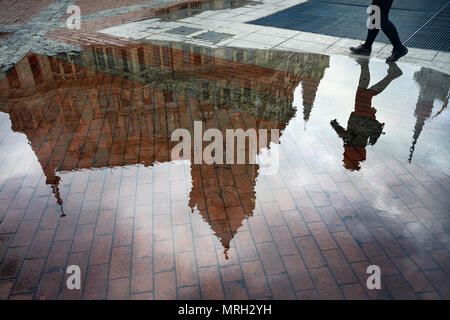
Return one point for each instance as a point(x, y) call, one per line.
point(361, 49)
point(397, 54)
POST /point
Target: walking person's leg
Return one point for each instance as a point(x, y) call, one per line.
point(388, 28)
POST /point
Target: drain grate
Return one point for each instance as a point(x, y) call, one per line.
point(212, 36)
point(435, 35)
point(183, 31)
point(416, 20)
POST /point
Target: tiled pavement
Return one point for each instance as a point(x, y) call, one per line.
point(105, 21)
point(90, 134)
point(20, 12)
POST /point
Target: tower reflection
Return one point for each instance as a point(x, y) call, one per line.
point(433, 85)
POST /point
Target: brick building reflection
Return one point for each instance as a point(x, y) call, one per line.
point(117, 106)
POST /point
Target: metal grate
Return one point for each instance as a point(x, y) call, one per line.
point(425, 24)
point(435, 35)
point(212, 36)
point(183, 31)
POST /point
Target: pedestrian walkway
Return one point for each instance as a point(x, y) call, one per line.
point(90, 119)
point(423, 25)
point(229, 24)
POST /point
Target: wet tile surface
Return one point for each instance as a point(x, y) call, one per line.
point(87, 176)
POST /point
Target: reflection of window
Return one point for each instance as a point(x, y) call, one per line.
point(123, 53)
point(54, 65)
point(156, 57)
point(99, 57)
point(226, 96)
point(67, 67)
point(110, 58)
point(166, 56)
point(141, 56)
point(186, 57)
point(197, 59)
point(168, 96)
point(205, 93)
point(239, 56)
point(35, 69)
point(247, 96)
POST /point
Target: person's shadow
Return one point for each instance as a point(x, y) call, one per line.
point(362, 126)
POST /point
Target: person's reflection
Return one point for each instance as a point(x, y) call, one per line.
point(363, 127)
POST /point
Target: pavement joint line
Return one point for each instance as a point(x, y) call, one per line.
point(434, 57)
point(331, 44)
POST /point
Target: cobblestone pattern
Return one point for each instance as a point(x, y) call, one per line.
point(312, 233)
point(29, 36)
point(20, 12)
point(89, 35)
point(32, 36)
point(110, 8)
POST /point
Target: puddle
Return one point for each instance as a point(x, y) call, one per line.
point(361, 146)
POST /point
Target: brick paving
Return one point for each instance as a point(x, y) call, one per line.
point(142, 227)
point(88, 7)
point(87, 177)
point(20, 12)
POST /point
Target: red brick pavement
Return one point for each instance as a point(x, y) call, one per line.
point(88, 33)
point(89, 6)
point(20, 12)
point(140, 227)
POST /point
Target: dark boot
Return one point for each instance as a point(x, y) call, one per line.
point(361, 49)
point(397, 54)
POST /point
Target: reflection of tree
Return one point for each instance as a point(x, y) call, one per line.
point(433, 85)
point(362, 127)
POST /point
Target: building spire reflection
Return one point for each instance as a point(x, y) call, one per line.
point(309, 91)
point(433, 85)
point(53, 181)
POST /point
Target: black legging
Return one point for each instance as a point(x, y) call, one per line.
point(386, 25)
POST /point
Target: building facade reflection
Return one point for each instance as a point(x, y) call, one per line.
point(117, 106)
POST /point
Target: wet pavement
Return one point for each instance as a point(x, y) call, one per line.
point(88, 179)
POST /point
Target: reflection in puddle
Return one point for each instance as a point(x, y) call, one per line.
point(77, 117)
point(363, 127)
point(99, 124)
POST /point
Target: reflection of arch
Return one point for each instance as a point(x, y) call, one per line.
point(433, 85)
point(113, 106)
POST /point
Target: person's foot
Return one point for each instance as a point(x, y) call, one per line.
point(361, 49)
point(394, 70)
point(397, 54)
